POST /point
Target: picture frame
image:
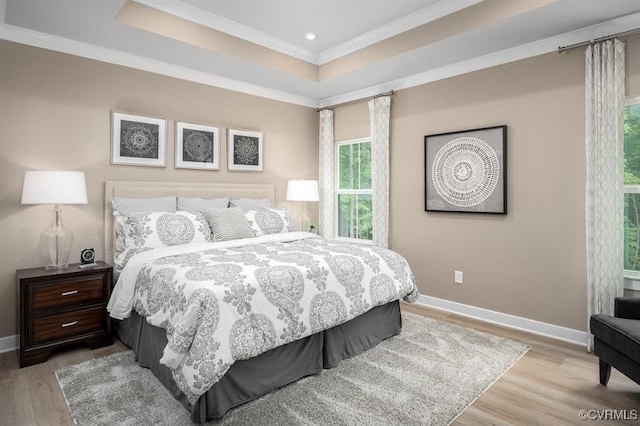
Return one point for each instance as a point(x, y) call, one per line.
point(466, 171)
point(137, 140)
point(197, 146)
point(244, 150)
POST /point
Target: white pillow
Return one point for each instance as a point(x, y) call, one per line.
point(132, 205)
point(159, 229)
point(269, 221)
point(199, 204)
point(251, 203)
point(228, 224)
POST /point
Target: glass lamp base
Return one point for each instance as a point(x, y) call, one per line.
point(56, 243)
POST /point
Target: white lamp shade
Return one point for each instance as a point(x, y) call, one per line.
point(302, 190)
point(54, 187)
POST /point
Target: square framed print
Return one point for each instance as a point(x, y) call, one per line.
point(137, 140)
point(466, 171)
point(197, 146)
point(244, 150)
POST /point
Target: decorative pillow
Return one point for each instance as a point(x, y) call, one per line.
point(228, 224)
point(199, 204)
point(269, 221)
point(133, 205)
point(158, 229)
point(251, 203)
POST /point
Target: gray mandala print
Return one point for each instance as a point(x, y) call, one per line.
point(350, 273)
point(465, 171)
point(174, 229)
point(245, 150)
point(251, 336)
point(197, 146)
point(283, 286)
point(270, 222)
point(382, 289)
point(138, 140)
point(327, 310)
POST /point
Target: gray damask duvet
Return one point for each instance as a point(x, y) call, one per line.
point(226, 301)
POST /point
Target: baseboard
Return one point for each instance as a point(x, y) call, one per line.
point(511, 321)
point(9, 343)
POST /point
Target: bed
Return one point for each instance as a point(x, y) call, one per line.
point(298, 345)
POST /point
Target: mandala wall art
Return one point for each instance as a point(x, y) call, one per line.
point(197, 146)
point(137, 140)
point(244, 150)
point(466, 171)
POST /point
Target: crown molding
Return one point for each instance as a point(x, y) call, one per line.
point(216, 22)
point(103, 54)
point(211, 20)
point(537, 48)
point(393, 28)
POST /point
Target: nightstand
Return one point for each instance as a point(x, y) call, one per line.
point(62, 307)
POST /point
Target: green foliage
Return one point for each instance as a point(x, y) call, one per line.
point(632, 177)
point(355, 214)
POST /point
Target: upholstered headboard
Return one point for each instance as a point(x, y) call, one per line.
point(180, 189)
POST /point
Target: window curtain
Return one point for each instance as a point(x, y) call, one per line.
point(325, 180)
point(379, 116)
point(605, 98)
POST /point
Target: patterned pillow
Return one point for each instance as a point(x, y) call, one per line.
point(228, 224)
point(159, 229)
point(269, 221)
point(148, 230)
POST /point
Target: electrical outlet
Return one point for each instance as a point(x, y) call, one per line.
point(457, 277)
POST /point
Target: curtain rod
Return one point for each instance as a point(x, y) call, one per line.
point(389, 93)
point(597, 40)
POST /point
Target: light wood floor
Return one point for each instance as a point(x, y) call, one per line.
point(548, 386)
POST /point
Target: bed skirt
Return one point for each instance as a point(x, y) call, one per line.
point(249, 379)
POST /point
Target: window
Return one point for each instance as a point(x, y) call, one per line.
point(632, 189)
point(354, 208)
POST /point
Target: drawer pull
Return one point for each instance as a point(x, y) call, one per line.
point(69, 324)
point(69, 293)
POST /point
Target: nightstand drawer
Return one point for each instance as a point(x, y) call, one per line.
point(69, 324)
point(69, 293)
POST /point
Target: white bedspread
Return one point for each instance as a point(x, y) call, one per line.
point(226, 301)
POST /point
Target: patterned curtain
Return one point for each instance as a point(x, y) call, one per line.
point(379, 116)
point(605, 97)
point(325, 181)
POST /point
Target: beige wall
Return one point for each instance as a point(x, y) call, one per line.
point(531, 262)
point(55, 113)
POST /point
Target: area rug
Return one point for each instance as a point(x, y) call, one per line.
point(427, 375)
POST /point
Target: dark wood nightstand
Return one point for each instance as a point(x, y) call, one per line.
point(62, 307)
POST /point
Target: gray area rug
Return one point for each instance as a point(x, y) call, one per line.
point(428, 375)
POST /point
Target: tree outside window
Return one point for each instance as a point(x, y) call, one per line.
point(354, 208)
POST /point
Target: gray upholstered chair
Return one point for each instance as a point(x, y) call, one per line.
point(617, 339)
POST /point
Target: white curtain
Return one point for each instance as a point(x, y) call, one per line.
point(325, 181)
point(379, 115)
point(605, 97)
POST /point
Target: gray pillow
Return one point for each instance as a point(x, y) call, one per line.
point(251, 203)
point(199, 204)
point(228, 224)
point(133, 205)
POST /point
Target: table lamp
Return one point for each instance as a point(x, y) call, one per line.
point(55, 187)
point(303, 191)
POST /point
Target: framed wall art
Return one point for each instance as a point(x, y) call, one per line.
point(197, 146)
point(137, 140)
point(466, 171)
point(244, 150)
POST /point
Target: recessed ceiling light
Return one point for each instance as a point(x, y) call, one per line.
point(311, 36)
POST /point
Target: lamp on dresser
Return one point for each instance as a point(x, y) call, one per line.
point(302, 191)
point(55, 187)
